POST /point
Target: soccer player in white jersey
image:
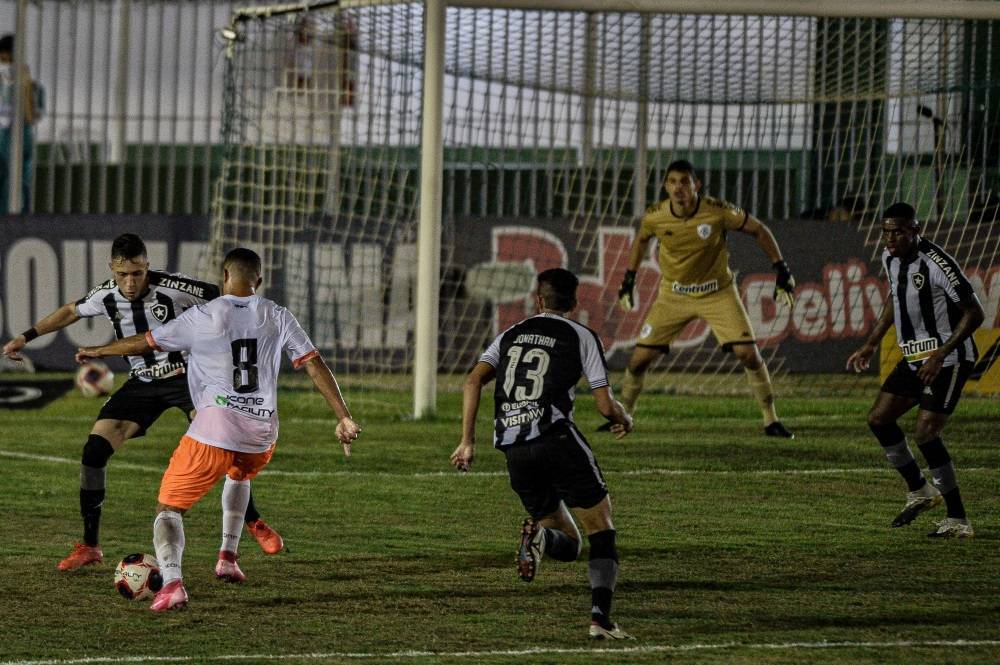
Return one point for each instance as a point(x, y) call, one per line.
point(134, 300)
point(935, 311)
point(551, 466)
point(235, 344)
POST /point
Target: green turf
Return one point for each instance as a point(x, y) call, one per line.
point(725, 555)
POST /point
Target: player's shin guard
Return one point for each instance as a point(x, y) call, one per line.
point(893, 443)
point(560, 546)
point(168, 541)
point(760, 385)
point(631, 387)
point(603, 572)
point(93, 472)
point(235, 496)
point(943, 474)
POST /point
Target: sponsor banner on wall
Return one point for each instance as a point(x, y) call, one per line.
point(351, 285)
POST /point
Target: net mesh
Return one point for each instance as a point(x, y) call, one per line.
point(558, 128)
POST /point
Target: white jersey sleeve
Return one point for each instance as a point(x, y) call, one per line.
point(92, 304)
point(297, 344)
point(180, 333)
point(595, 366)
point(491, 355)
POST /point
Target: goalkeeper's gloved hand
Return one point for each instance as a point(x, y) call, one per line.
point(625, 297)
point(784, 285)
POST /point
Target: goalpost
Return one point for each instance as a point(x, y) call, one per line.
point(406, 168)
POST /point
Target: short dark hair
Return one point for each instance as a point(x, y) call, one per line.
point(903, 211)
point(7, 44)
point(682, 166)
point(557, 288)
point(243, 261)
point(127, 246)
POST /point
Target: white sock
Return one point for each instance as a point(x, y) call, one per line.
point(168, 541)
point(235, 497)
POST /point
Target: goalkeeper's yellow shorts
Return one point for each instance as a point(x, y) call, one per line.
point(722, 310)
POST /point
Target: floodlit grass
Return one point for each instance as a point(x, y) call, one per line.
point(734, 547)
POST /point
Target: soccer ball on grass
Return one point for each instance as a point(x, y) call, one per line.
point(95, 379)
point(138, 576)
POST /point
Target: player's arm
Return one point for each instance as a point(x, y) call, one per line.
point(626, 296)
point(613, 410)
point(472, 391)
point(347, 430)
point(784, 285)
point(972, 317)
point(57, 320)
point(860, 359)
point(136, 345)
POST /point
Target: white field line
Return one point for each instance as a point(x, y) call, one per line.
point(534, 651)
point(491, 474)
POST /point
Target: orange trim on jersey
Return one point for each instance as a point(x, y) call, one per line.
point(152, 341)
point(299, 362)
point(195, 467)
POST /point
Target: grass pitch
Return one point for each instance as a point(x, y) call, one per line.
point(734, 548)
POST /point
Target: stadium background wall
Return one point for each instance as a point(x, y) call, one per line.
point(48, 260)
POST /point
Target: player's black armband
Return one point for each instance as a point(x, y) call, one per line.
point(30, 334)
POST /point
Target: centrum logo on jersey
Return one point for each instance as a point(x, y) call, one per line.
point(918, 349)
point(221, 400)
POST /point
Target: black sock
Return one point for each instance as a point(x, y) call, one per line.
point(96, 453)
point(953, 501)
point(912, 475)
point(251, 515)
point(603, 573)
point(90, 508)
point(560, 546)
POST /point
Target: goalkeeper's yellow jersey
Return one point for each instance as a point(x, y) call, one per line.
point(693, 256)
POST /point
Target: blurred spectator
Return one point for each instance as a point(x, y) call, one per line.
point(7, 82)
point(852, 209)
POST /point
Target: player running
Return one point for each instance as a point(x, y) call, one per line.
point(135, 300)
point(235, 344)
point(551, 466)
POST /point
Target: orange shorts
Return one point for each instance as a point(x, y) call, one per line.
point(195, 467)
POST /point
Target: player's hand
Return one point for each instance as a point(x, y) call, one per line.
point(931, 368)
point(462, 458)
point(621, 429)
point(347, 430)
point(860, 359)
point(784, 285)
point(626, 296)
point(85, 354)
point(12, 348)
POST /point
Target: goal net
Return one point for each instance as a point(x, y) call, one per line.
point(558, 127)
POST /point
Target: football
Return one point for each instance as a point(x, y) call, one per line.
point(138, 576)
point(95, 379)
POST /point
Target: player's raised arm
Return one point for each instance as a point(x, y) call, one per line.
point(136, 345)
point(347, 430)
point(57, 320)
point(626, 293)
point(472, 390)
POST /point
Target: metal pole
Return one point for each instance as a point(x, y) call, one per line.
point(16, 165)
point(641, 176)
point(429, 232)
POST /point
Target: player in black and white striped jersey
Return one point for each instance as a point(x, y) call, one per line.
point(135, 300)
point(935, 311)
point(538, 363)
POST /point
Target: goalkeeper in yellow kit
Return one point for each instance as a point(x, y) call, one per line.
point(696, 282)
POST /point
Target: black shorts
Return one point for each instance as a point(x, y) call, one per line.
point(557, 466)
point(142, 402)
point(943, 393)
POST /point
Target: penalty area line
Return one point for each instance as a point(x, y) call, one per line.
point(533, 651)
point(496, 474)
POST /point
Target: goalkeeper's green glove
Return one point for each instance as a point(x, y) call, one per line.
point(625, 297)
point(784, 285)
